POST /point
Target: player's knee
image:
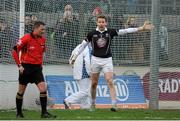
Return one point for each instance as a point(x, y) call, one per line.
point(94, 84)
point(42, 87)
point(21, 91)
point(109, 78)
point(110, 83)
point(19, 95)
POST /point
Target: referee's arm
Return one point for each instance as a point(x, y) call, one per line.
point(15, 54)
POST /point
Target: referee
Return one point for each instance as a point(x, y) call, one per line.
point(29, 62)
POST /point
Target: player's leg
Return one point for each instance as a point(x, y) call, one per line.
point(82, 94)
point(108, 72)
point(95, 71)
point(94, 78)
point(75, 97)
point(109, 78)
point(19, 100)
point(86, 87)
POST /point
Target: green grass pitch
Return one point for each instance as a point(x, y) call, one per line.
point(99, 114)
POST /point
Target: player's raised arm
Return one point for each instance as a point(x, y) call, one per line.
point(147, 26)
point(78, 50)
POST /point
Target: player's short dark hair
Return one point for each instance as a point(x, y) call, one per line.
point(101, 16)
point(38, 23)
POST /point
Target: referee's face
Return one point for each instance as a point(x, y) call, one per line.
point(40, 30)
point(101, 23)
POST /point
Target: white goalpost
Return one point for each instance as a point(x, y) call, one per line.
point(21, 18)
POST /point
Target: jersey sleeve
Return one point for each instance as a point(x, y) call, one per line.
point(113, 32)
point(81, 47)
point(22, 42)
point(126, 31)
point(45, 47)
point(89, 37)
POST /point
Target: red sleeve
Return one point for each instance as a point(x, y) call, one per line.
point(23, 42)
point(15, 55)
point(20, 44)
point(45, 44)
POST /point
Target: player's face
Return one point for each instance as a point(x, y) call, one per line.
point(40, 30)
point(101, 23)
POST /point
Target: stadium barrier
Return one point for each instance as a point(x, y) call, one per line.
point(129, 90)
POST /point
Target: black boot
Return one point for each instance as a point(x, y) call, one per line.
point(19, 115)
point(47, 115)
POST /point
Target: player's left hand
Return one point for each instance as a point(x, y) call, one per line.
point(148, 26)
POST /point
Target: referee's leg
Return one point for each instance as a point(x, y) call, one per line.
point(43, 99)
point(19, 100)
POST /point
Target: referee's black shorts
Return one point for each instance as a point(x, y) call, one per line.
point(32, 74)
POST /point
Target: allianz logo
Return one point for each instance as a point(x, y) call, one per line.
point(121, 88)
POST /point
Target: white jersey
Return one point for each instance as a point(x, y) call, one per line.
point(81, 68)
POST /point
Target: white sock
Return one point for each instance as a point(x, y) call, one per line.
point(114, 102)
point(93, 102)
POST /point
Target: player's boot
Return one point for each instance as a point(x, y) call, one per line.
point(47, 115)
point(92, 108)
point(66, 104)
point(114, 108)
point(19, 115)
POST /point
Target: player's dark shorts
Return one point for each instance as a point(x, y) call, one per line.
point(32, 74)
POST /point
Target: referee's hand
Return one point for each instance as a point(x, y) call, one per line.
point(21, 69)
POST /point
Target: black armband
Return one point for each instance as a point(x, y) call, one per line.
point(15, 48)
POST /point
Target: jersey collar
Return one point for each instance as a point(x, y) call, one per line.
point(97, 29)
point(34, 36)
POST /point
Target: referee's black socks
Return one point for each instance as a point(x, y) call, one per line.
point(19, 101)
point(43, 100)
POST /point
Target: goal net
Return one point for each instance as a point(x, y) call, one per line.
point(68, 22)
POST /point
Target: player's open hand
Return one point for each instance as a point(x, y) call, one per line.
point(147, 26)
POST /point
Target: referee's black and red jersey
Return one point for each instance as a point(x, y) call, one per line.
point(32, 49)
